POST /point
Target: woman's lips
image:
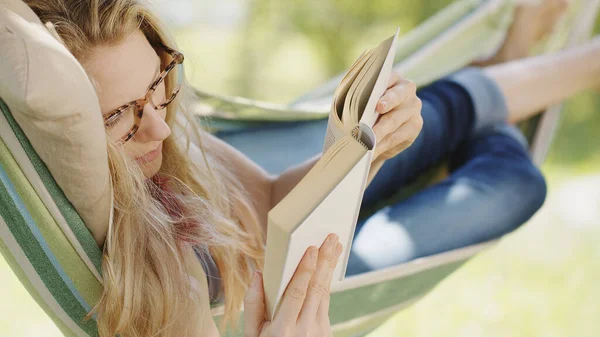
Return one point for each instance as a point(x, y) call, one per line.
point(150, 156)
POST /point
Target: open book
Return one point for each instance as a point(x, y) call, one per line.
point(327, 200)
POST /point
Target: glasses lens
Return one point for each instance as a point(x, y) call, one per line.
point(164, 94)
point(120, 125)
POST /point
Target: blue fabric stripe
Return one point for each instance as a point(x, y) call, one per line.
point(39, 237)
point(73, 219)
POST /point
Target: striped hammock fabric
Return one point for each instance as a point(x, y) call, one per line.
point(48, 247)
point(43, 239)
point(53, 254)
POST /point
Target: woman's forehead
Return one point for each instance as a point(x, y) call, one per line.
point(123, 72)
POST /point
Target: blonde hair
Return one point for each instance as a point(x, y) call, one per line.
point(144, 276)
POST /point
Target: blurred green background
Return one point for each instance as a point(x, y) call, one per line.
point(539, 281)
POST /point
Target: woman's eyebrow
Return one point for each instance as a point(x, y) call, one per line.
point(156, 73)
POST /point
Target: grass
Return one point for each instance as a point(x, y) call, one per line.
point(541, 280)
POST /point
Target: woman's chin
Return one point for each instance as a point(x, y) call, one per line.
point(152, 168)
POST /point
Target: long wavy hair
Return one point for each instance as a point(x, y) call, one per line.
point(145, 281)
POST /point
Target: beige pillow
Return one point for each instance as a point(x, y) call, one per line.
point(54, 102)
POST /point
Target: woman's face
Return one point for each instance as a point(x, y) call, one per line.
point(123, 74)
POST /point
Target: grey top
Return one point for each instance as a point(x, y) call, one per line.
point(213, 276)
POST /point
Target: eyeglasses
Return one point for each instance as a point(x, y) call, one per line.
point(123, 122)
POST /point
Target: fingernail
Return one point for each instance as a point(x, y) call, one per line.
point(339, 250)
point(313, 252)
point(255, 278)
point(383, 106)
point(332, 239)
point(332, 244)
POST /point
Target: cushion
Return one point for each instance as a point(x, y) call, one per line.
point(54, 102)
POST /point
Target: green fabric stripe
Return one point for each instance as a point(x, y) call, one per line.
point(64, 205)
point(35, 254)
point(18, 271)
point(73, 266)
point(354, 303)
point(16, 194)
point(358, 302)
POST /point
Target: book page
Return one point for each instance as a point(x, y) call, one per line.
point(388, 48)
point(335, 126)
point(356, 97)
point(352, 110)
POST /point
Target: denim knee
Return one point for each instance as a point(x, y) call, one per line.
point(535, 187)
point(535, 182)
point(494, 188)
point(522, 179)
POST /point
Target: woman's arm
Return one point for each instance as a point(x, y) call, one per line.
point(396, 129)
point(284, 183)
point(266, 190)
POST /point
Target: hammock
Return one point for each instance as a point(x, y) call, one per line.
point(446, 42)
point(49, 248)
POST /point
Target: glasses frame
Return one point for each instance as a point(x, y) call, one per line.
point(141, 103)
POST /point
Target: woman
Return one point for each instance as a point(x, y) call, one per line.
point(171, 199)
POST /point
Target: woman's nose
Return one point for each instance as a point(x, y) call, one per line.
point(153, 126)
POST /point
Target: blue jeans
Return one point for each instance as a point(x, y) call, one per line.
point(492, 189)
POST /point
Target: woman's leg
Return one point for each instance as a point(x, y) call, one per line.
point(453, 108)
point(533, 84)
point(432, 220)
point(528, 85)
point(494, 189)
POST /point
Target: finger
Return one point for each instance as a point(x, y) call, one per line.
point(295, 293)
point(390, 148)
point(394, 96)
point(395, 78)
point(400, 139)
point(317, 288)
point(403, 138)
point(254, 306)
point(393, 120)
point(323, 312)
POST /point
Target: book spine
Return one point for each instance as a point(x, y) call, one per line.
point(357, 135)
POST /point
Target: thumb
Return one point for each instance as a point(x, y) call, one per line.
point(254, 306)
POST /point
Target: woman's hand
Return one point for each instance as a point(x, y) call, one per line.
point(400, 121)
point(304, 307)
